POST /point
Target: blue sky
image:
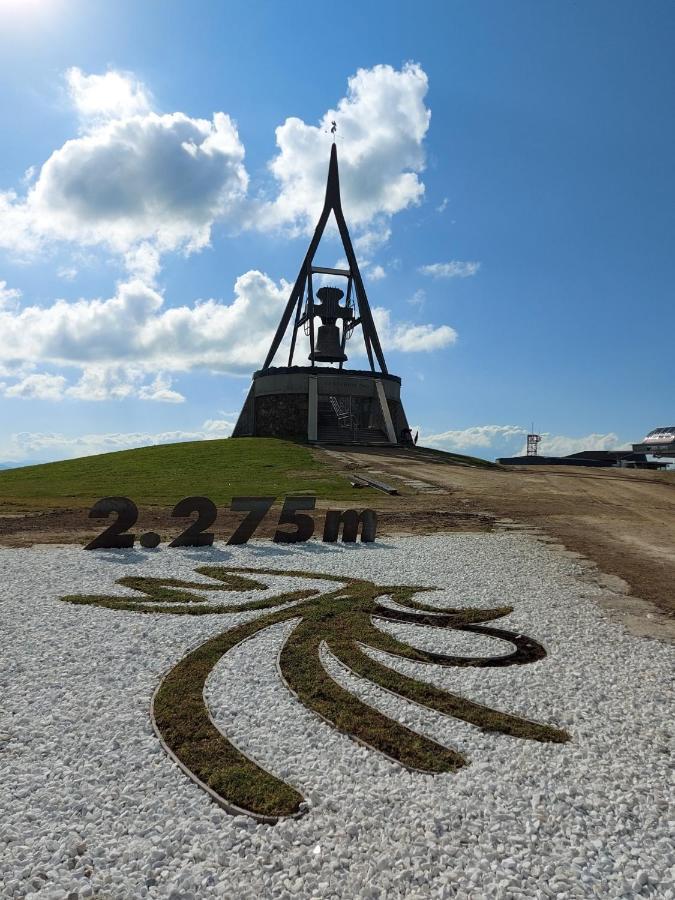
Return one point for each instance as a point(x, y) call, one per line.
point(161, 165)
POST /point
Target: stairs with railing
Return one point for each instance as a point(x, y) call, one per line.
point(336, 425)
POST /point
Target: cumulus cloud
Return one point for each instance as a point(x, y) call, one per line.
point(160, 390)
point(382, 123)
point(142, 183)
point(96, 383)
point(118, 340)
point(134, 326)
point(38, 386)
point(134, 181)
point(51, 445)
point(456, 268)
point(563, 445)
point(119, 382)
point(411, 338)
point(115, 95)
point(509, 440)
point(475, 436)
point(161, 178)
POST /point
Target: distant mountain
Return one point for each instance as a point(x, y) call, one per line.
point(18, 465)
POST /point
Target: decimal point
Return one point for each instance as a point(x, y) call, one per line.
point(150, 539)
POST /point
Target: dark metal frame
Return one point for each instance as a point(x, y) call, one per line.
point(304, 283)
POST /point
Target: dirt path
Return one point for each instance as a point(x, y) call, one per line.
point(621, 519)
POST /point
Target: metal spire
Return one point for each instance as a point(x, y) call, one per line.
point(332, 203)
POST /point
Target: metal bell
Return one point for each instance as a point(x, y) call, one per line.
point(328, 345)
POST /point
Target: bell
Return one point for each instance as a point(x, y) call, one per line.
point(327, 347)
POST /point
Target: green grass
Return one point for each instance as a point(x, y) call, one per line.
point(164, 474)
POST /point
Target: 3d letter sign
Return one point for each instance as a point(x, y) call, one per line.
point(294, 513)
point(338, 620)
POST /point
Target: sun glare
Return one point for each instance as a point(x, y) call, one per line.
point(20, 11)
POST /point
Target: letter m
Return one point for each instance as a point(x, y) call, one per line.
point(350, 520)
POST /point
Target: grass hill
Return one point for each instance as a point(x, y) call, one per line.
point(162, 475)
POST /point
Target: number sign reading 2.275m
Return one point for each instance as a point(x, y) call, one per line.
point(117, 535)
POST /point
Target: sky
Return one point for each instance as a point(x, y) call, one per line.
point(507, 176)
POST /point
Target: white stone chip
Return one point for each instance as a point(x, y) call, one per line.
point(91, 806)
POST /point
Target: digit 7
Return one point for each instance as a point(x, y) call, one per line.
point(258, 508)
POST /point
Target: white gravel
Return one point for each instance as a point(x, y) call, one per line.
point(91, 806)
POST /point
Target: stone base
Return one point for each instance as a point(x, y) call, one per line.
point(324, 404)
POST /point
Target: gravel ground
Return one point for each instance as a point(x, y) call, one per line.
point(91, 806)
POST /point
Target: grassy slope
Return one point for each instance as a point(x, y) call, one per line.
point(164, 474)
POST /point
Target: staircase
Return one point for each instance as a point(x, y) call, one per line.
point(335, 425)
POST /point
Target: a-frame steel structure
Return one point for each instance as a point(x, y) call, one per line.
point(301, 301)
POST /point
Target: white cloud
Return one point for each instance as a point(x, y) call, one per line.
point(509, 440)
point(139, 183)
point(418, 298)
point(456, 268)
point(442, 206)
point(96, 383)
point(382, 123)
point(160, 178)
point(134, 181)
point(46, 445)
point(115, 95)
point(115, 342)
point(411, 338)
point(143, 262)
point(475, 436)
point(105, 382)
point(119, 382)
point(160, 391)
point(368, 242)
point(38, 386)
point(9, 297)
point(563, 445)
point(133, 327)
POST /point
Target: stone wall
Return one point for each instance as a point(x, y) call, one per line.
point(282, 416)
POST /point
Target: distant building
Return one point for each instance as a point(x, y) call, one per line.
point(596, 459)
point(659, 442)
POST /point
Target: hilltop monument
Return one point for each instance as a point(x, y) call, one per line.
point(325, 401)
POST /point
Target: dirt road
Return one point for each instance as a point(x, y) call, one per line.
point(621, 519)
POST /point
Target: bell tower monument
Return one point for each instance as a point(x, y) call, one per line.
point(325, 401)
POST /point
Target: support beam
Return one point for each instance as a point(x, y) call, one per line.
point(322, 270)
point(386, 414)
point(298, 311)
point(313, 409)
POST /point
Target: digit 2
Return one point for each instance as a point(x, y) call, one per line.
point(113, 538)
point(194, 535)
